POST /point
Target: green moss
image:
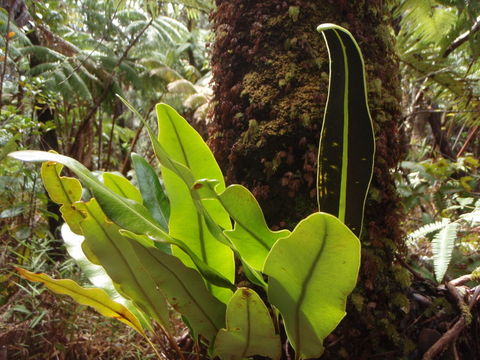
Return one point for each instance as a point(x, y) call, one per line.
point(294, 12)
point(402, 275)
point(357, 301)
point(400, 301)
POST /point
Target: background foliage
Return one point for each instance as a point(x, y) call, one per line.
point(62, 62)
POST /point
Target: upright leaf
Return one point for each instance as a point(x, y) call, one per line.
point(154, 197)
point(310, 274)
point(442, 248)
point(347, 144)
point(249, 330)
point(185, 146)
point(96, 298)
point(64, 191)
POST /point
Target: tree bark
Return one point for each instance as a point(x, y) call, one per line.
point(270, 71)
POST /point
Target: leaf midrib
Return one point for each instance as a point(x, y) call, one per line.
point(305, 283)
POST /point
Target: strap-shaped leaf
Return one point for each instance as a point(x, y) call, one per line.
point(183, 287)
point(186, 147)
point(121, 186)
point(249, 330)
point(347, 144)
point(97, 275)
point(442, 248)
point(311, 273)
point(154, 197)
point(96, 298)
point(142, 272)
point(115, 254)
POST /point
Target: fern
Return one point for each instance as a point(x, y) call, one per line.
point(181, 86)
point(442, 248)
point(431, 22)
point(428, 229)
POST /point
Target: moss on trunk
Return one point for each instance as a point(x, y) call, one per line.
point(270, 69)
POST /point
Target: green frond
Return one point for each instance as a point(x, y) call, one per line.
point(442, 248)
point(129, 15)
point(13, 49)
point(135, 26)
point(428, 229)
point(19, 34)
point(198, 5)
point(76, 82)
point(42, 53)
point(429, 21)
point(195, 100)
point(166, 73)
point(181, 86)
point(130, 74)
point(41, 69)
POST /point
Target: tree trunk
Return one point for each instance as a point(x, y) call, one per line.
point(270, 70)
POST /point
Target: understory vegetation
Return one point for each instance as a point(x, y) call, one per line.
point(83, 79)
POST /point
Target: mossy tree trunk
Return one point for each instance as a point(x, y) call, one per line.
point(270, 70)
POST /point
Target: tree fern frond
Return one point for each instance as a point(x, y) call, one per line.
point(42, 69)
point(76, 82)
point(13, 50)
point(43, 53)
point(428, 229)
point(442, 248)
point(130, 74)
point(135, 26)
point(19, 34)
point(181, 86)
point(166, 73)
point(199, 5)
point(194, 101)
point(131, 15)
point(430, 21)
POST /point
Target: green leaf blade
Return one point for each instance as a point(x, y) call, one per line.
point(311, 272)
point(152, 192)
point(347, 144)
point(249, 330)
point(125, 212)
point(184, 289)
point(93, 297)
point(122, 187)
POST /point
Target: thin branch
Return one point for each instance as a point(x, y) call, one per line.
point(462, 39)
point(468, 140)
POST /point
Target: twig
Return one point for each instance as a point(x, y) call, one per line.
point(453, 333)
point(461, 280)
point(461, 39)
point(467, 141)
point(445, 340)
